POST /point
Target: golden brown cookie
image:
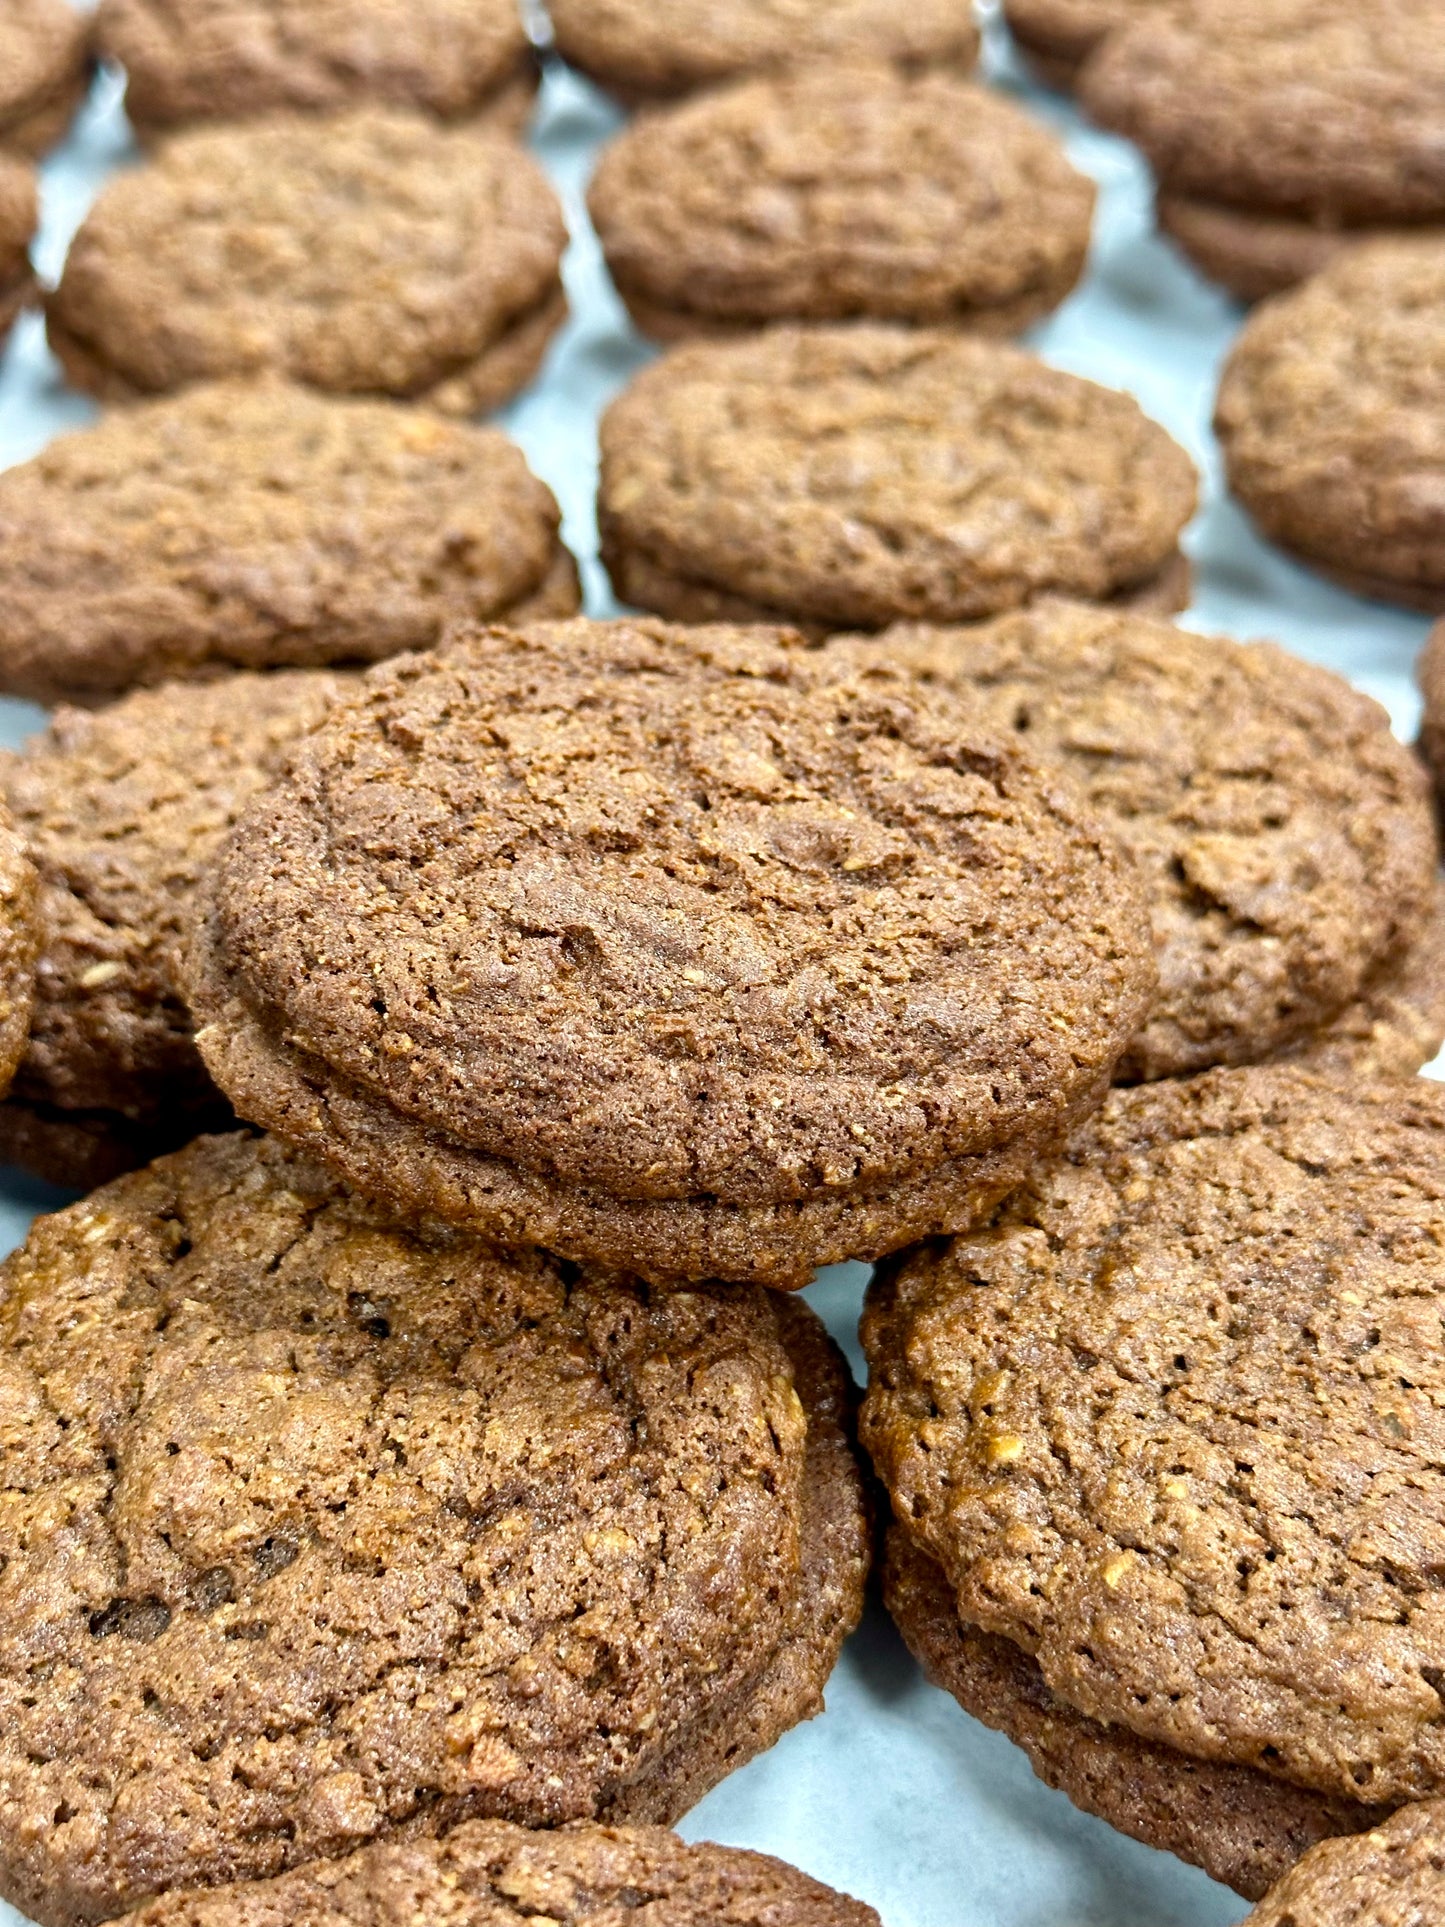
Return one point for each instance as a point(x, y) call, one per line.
point(334, 1533)
point(44, 72)
point(488, 1873)
point(625, 939)
point(644, 50)
point(19, 217)
point(201, 60)
point(1430, 672)
point(1331, 413)
point(258, 525)
point(376, 252)
point(1393, 1876)
point(836, 193)
point(849, 477)
point(1056, 37)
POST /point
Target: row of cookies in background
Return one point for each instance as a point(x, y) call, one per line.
point(1286, 875)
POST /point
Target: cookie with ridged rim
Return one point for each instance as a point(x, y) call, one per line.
point(44, 72)
point(1284, 836)
point(488, 1873)
point(1168, 1423)
point(346, 1533)
point(840, 192)
point(1242, 1827)
point(644, 50)
point(257, 525)
point(121, 811)
point(853, 476)
point(193, 60)
point(668, 943)
point(371, 252)
point(1331, 414)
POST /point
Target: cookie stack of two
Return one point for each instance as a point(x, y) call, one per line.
point(445, 1459)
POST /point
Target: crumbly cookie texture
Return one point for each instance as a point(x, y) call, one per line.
point(856, 476)
point(19, 945)
point(335, 1533)
point(651, 49)
point(1393, 1876)
point(1168, 1423)
point(719, 960)
point(259, 525)
point(1284, 836)
point(840, 192)
point(377, 252)
point(1331, 412)
point(44, 72)
point(1316, 107)
point(190, 60)
point(487, 1873)
point(1242, 1827)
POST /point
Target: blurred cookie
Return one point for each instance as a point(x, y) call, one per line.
point(1284, 836)
point(1331, 413)
point(341, 1533)
point(1056, 37)
point(256, 525)
point(121, 812)
point(193, 60)
point(488, 1873)
point(1242, 1827)
point(375, 252)
point(1393, 1876)
point(1277, 128)
point(657, 49)
point(1430, 672)
point(1169, 1425)
point(664, 948)
point(839, 192)
point(849, 477)
point(19, 217)
point(44, 72)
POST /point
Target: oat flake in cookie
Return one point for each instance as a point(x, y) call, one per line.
point(121, 812)
point(1168, 1424)
point(849, 477)
point(1280, 130)
point(1393, 1876)
point(190, 60)
point(487, 1873)
point(329, 1533)
point(375, 252)
point(44, 72)
point(258, 525)
point(841, 191)
point(666, 949)
point(1331, 413)
point(656, 49)
point(19, 217)
point(1284, 836)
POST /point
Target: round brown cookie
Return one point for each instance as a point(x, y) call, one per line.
point(1393, 1876)
point(251, 524)
point(1397, 1023)
point(373, 252)
point(1331, 412)
point(1430, 672)
point(1243, 1828)
point(121, 813)
point(192, 60)
point(1318, 108)
point(330, 1532)
point(1056, 37)
point(19, 217)
point(488, 1873)
point(1170, 1423)
point(672, 945)
point(19, 944)
point(1284, 836)
point(44, 71)
point(657, 49)
point(855, 476)
point(837, 192)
